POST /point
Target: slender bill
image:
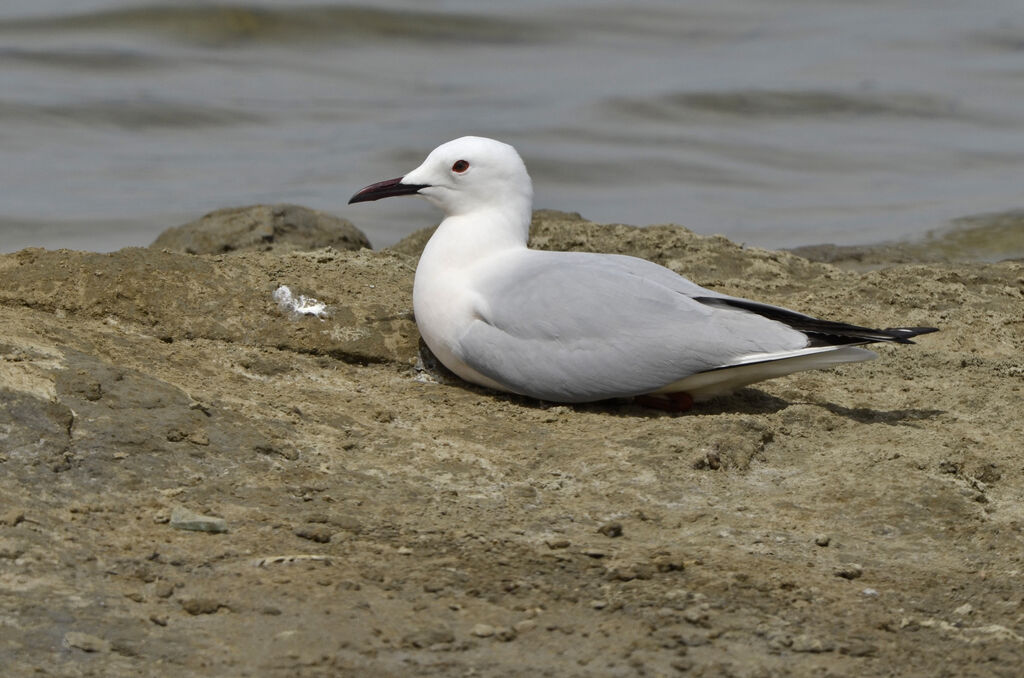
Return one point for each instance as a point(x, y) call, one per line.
point(386, 189)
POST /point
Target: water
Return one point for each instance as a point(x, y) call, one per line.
point(775, 122)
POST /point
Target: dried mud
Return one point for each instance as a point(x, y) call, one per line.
point(387, 520)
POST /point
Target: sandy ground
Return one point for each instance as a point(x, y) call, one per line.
point(386, 520)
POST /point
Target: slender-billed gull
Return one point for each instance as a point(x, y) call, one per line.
point(576, 327)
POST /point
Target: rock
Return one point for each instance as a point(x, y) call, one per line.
point(482, 630)
point(666, 561)
point(262, 228)
point(823, 540)
point(558, 543)
point(964, 610)
point(163, 589)
point(806, 643)
point(849, 571)
point(611, 530)
point(429, 637)
point(505, 634)
point(86, 642)
point(321, 534)
point(196, 606)
point(525, 625)
point(12, 517)
point(183, 519)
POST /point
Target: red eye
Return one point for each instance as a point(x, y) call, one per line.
point(460, 166)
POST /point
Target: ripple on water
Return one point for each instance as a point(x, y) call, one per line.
point(296, 25)
point(754, 103)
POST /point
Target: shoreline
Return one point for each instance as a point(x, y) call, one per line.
point(382, 519)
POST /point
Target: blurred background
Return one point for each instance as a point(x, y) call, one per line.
point(774, 122)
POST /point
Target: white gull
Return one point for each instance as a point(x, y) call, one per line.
point(577, 327)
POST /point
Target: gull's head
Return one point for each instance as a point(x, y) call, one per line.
point(463, 176)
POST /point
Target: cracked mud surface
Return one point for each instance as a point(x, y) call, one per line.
point(384, 520)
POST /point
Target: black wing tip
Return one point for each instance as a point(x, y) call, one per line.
point(902, 335)
point(822, 332)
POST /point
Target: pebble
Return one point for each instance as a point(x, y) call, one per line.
point(86, 642)
point(183, 519)
point(558, 543)
point(321, 534)
point(195, 606)
point(435, 638)
point(849, 571)
point(823, 540)
point(12, 517)
point(505, 634)
point(611, 530)
point(805, 643)
point(163, 589)
point(525, 625)
point(964, 610)
point(483, 630)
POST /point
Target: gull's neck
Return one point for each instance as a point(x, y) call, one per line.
point(465, 239)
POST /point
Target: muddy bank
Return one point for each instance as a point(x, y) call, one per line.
point(384, 520)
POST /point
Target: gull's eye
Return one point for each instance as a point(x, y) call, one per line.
point(460, 166)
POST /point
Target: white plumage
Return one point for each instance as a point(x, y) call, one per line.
point(578, 327)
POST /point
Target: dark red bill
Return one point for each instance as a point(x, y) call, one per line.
point(385, 189)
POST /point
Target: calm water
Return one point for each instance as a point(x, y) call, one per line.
point(775, 122)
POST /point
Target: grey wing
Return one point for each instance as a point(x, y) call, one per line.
point(575, 327)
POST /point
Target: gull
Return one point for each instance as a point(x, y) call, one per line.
point(574, 327)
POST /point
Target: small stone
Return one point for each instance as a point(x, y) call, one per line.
point(85, 642)
point(505, 634)
point(525, 625)
point(158, 619)
point(611, 530)
point(871, 593)
point(599, 604)
point(183, 519)
point(163, 589)
point(805, 643)
point(558, 543)
point(321, 534)
point(10, 549)
point(135, 596)
point(629, 572)
point(430, 638)
point(12, 517)
point(682, 664)
point(668, 562)
point(823, 540)
point(199, 438)
point(483, 631)
point(849, 571)
point(964, 610)
point(270, 611)
point(196, 606)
